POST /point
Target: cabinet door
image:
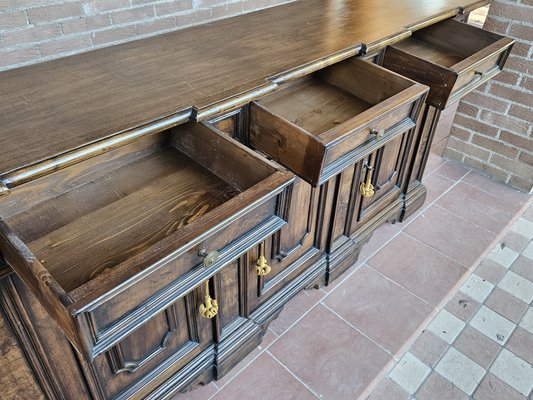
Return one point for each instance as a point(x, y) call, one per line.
point(289, 251)
point(160, 347)
point(384, 170)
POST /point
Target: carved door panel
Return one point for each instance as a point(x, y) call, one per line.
point(289, 251)
point(380, 179)
point(229, 292)
point(381, 174)
point(166, 342)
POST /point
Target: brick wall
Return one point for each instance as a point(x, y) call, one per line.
point(493, 128)
point(36, 30)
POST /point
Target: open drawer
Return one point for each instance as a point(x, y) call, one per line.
point(320, 123)
point(113, 241)
point(451, 57)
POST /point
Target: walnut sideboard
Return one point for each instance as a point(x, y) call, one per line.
point(161, 200)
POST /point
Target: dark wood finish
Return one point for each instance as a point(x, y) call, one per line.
point(315, 122)
point(91, 96)
point(162, 205)
point(107, 212)
point(451, 57)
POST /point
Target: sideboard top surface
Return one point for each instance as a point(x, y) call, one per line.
point(53, 107)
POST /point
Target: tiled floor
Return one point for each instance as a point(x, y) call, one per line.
point(364, 335)
point(481, 345)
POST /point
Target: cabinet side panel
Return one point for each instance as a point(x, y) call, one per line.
point(16, 378)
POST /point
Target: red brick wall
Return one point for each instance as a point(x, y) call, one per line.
point(493, 128)
point(36, 30)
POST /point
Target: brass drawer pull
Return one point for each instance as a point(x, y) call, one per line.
point(261, 266)
point(378, 134)
point(209, 258)
point(366, 188)
point(210, 308)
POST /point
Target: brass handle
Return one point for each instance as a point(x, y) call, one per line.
point(480, 73)
point(209, 258)
point(378, 134)
point(366, 188)
point(210, 308)
point(261, 266)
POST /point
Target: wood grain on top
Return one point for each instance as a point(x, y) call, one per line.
point(56, 106)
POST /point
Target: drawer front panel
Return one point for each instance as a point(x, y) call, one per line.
point(376, 132)
point(480, 72)
point(451, 57)
point(313, 122)
point(112, 319)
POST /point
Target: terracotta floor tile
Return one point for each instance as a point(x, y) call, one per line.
point(417, 267)
point(436, 185)
point(506, 305)
point(378, 307)
point(493, 388)
point(476, 346)
point(436, 387)
point(388, 390)
point(452, 170)
point(522, 266)
point(498, 189)
point(450, 234)
point(266, 378)
point(268, 339)
point(491, 271)
point(478, 206)
point(429, 348)
point(462, 306)
point(360, 261)
point(434, 162)
point(332, 358)
point(521, 344)
point(198, 393)
point(380, 237)
point(295, 309)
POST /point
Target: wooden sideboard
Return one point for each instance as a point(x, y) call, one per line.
point(161, 200)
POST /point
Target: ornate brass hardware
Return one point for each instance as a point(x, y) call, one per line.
point(261, 266)
point(366, 188)
point(210, 308)
point(378, 134)
point(209, 258)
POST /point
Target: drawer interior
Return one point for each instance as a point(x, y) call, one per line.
point(328, 98)
point(149, 191)
point(447, 43)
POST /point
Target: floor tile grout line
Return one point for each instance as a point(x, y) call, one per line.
point(440, 252)
point(467, 322)
point(401, 286)
point(454, 291)
point(294, 375)
point(358, 330)
point(383, 245)
point(274, 341)
point(350, 273)
point(326, 294)
point(429, 204)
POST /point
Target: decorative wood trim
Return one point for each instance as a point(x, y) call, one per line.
point(22, 175)
point(115, 355)
point(12, 305)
